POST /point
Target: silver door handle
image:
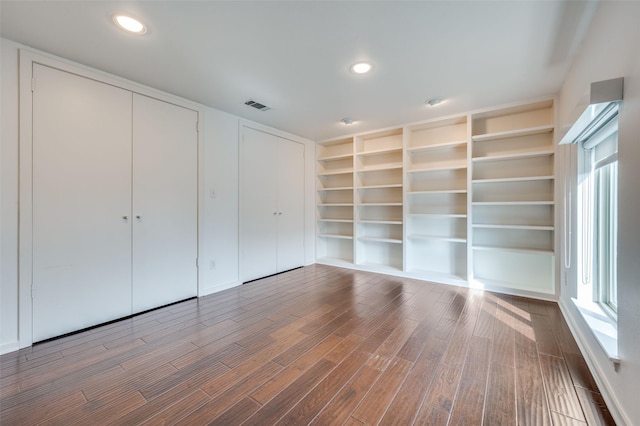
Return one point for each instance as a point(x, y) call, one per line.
point(139, 217)
point(125, 217)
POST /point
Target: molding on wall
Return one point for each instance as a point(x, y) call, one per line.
point(9, 347)
point(599, 376)
point(205, 291)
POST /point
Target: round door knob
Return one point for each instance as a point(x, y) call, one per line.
point(125, 217)
point(139, 217)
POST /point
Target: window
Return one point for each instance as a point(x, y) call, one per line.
point(599, 215)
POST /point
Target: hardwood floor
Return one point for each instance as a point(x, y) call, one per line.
point(318, 345)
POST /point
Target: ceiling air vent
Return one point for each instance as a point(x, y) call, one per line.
point(257, 105)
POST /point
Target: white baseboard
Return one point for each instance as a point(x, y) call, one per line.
point(598, 374)
point(5, 348)
point(217, 288)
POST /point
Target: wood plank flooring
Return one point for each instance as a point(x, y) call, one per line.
point(318, 345)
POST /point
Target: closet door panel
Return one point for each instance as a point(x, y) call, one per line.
point(259, 209)
point(290, 171)
point(164, 203)
point(81, 196)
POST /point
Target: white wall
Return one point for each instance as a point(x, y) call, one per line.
point(218, 227)
point(219, 221)
point(9, 196)
point(612, 49)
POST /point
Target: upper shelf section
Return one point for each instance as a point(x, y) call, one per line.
point(513, 133)
point(440, 134)
point(379, 151)
point(335, 150)
point(512, 122)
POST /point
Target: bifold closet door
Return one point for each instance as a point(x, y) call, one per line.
point(165, 203)
point(272, 214)
point(290, 232)
point(81, 202)
point(259, 213)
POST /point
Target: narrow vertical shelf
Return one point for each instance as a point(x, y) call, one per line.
point(513, 198)
point(334, 198)
point(378, 200)
point(436, 199)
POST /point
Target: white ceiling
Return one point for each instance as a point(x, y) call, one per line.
point(294, 56)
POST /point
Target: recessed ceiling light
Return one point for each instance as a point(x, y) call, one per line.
point(347, 121)
point(361, 68)
point(129, 24)
point(434, 101)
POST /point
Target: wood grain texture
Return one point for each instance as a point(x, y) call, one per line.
point(594, 408)
point(561, 394)
point(318, 345)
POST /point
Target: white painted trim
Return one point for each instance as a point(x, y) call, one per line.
point(599, 376)
point(27, 57)
point(262, 128)
point(218, 288)
point(25, 202)
point(7, 347)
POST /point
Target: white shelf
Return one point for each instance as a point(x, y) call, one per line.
point(393, 166)
point(438, 168)
point(335, 157)
point(336, 220)
point(339, 236)
point(514, 179)
point(437, 238)
point(514, 249)
point(335, 205)
point(378, 204)
point(381, 240)
point(515, 156)
point(391, 185)
point(336, 172)
point(513, 203)
point(439, 215)
point(379, 267)
point(340, 188)
point(382, 222)
point(435, 146)
point(523, 227)
point(334, 261)
point(380, 151)
point(438, 276)
point(510, 285)
point(513, 133)
point(439, 191)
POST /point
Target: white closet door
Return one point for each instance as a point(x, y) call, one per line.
point(164, 203)
point(81, 196)
point(259, 209)
point(290, 170)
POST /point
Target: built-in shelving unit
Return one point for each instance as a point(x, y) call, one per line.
point(378, 199)
point(467, 199)
point(513, 197)
point(335, 201)
point(436, 198)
